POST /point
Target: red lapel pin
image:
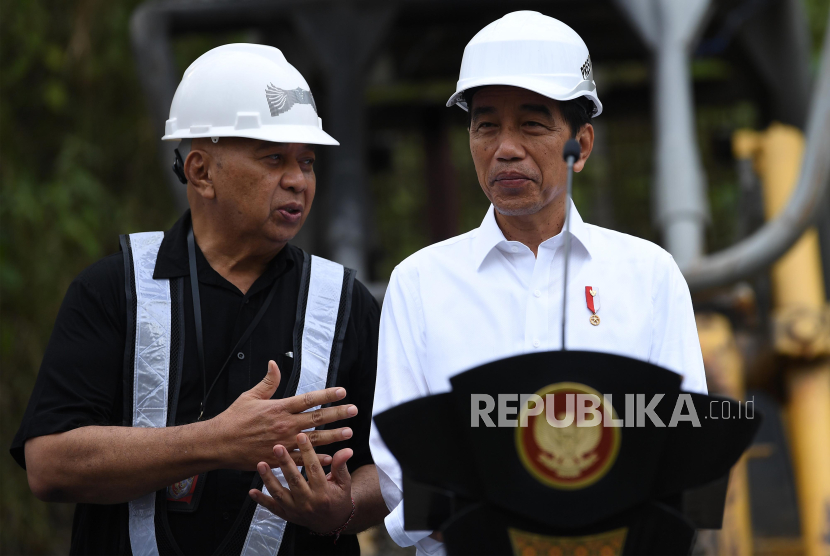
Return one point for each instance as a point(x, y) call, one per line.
point(592, 300)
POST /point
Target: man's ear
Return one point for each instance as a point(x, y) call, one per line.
point(585, 138)
point(198, 169)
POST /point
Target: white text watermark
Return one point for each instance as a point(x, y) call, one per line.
point(589, 410)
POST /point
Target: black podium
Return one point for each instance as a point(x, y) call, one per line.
point(566, 452)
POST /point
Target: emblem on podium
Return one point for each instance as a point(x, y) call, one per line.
point(561, 450)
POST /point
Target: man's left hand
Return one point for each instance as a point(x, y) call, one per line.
point(323, 503)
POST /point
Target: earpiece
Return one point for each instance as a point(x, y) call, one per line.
point(178, 167)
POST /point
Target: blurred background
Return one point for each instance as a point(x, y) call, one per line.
point(85, 87)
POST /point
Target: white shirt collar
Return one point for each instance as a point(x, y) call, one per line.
point(489, 235)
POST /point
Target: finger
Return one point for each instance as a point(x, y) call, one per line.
point(275, 489)
point(279, 496)
point(296, 483)
point(323, 437)
point(264, 500)
point(339, 470)
point(326, 415)
point(313, 469)
point(297, 457)
point(268, 385)
point(298, 404)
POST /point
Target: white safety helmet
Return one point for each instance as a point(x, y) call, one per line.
point(245, 90)
point(532, 51)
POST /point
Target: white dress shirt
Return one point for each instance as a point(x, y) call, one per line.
point(478, 297)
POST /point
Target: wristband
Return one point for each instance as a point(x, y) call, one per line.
point(336, 532)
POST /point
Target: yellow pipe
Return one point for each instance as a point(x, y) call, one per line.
point(725, 375)
point(808, 388)
point(801, 332)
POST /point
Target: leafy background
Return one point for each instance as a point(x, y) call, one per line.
point(78, 167)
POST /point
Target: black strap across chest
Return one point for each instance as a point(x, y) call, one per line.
point(197, 317)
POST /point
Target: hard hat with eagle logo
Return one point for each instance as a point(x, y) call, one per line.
point(245, 90)
point(529, 50)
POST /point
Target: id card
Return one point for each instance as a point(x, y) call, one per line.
point(184, 496)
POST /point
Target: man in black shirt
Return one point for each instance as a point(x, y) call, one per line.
point(236, 318)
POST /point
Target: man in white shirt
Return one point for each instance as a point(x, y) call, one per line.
point(496, 291)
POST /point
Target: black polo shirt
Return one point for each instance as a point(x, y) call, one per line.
point(81, 383)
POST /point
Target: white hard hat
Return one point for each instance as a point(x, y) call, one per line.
point(532, 51)
point(245, 90)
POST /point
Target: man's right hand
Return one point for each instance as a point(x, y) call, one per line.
point(250, 428)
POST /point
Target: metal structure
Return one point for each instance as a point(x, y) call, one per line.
point(725, 376)
point(806, 202)
point(801, 331)
point(671, 30)
point(344, 39)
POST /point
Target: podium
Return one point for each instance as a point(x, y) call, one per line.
point(566, 452)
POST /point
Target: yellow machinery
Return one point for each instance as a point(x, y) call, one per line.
point(801, 336)
point(725, 376)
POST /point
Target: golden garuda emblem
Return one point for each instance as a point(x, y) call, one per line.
point(567, 454)
point(567, 450)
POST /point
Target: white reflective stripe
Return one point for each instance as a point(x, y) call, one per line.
point(324, 290)
point(143, 526)
point(151, 371)
point(266, 531)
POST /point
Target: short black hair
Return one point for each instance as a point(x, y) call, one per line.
point(576, 112)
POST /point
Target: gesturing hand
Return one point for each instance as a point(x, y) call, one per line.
point(322, 504)
point(248, 430)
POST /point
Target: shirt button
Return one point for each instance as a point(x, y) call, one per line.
point(537, 293)
point(240, 355)
point(226, 515)
point(536, 343)
point(514, 249)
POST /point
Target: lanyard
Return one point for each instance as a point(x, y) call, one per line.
point(197, 317)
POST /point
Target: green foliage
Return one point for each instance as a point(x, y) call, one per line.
point(78, 167)
point(399, 194)
point(817, 12)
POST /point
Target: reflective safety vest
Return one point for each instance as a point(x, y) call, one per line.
point(153, 368)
